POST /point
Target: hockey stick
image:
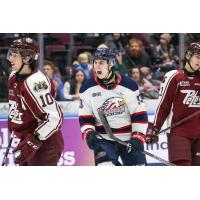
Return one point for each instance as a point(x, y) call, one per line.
point(7, 149)
point(180, 121)
point(111, 135)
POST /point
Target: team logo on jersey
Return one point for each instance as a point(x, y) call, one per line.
point(41, 85)
point(184, 83)
point(113, 106)
point(14, 114)
point(191, 99)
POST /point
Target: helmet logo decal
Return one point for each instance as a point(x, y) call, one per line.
point(29, 40)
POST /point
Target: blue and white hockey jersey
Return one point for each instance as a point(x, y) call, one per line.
point(122, 107)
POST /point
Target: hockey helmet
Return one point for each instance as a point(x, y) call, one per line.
point(27, 48)
point(193, 48)
point(105, 54)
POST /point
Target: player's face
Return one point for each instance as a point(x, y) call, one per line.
point(15, 60)
point(195, 62)
point(101, 68)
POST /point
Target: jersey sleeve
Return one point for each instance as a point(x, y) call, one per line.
point(138, 112)
point(86, 116)
point(166, 96)
point(37, 95)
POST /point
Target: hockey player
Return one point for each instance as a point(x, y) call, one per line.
point(179, 98)
point(34, 115)
point(118, 97)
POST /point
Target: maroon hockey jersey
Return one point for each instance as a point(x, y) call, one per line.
point(32, 107)
point(179, 98)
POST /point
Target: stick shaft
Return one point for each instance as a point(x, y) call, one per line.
point(112, 136)
point(7, 150)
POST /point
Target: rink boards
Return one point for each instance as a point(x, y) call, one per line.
point(76, 152)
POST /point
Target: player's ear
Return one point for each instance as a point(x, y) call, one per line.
point(26, 60)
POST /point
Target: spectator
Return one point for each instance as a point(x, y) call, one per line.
point(165, 57)
point(53, 73)
point(137, 57)
point(165, 52)
point(4, 74)
point(68, 72)
point(83, 63)
point(114, 42)
point(145, 86)
point(71, 88)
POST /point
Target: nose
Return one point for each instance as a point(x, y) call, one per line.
point(97, 66)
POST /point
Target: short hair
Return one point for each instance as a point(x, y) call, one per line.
point(167, 36)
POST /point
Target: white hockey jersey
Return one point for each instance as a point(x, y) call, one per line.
point(122, 107)
point(32, 107)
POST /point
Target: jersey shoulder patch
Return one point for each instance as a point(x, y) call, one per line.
point(128, 83)
point(37, 82)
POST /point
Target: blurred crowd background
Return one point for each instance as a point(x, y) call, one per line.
point(66, 58)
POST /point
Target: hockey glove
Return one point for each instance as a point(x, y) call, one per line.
point(152, 134)
point(90, 137)
point(26, 149)
point(136, 143)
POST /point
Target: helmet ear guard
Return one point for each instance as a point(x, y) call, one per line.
point(188, 55)
point(112, 62)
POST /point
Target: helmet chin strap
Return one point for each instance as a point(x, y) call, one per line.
point(110, 72)
point(194, 72)
point(21, 76)
point(20, 68)
point(188, 61)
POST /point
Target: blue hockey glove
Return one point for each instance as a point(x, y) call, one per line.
point(136, 143)
point(90, 137)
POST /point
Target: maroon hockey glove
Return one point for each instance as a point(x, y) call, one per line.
point(152, 134)
point(26, 149)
